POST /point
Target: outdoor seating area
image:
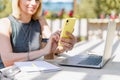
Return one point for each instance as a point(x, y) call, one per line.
point(110, 71)
point(39, 41)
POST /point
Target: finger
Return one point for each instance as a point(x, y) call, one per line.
point(56, 35)
point(69, 41)
point(67, 46)
point(70, 35)
point(66, 40)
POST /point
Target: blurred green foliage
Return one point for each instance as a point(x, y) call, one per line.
point(107, 6)
point(5, 8)
point(52, 15)
point(94, 8)
point(87, 9)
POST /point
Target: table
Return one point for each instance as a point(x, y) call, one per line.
point(111, 71)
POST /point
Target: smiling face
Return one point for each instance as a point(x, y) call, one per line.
point(28, 7)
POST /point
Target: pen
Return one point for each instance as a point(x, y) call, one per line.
point(34, 65)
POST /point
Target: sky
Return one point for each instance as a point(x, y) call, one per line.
point(57, 0)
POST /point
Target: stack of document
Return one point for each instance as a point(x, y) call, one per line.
point(33, 66)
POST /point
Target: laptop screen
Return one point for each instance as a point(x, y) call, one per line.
point(109, 40)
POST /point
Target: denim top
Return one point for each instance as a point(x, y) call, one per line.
point(25, 36)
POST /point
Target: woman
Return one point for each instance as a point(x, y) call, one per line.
point(21, 32)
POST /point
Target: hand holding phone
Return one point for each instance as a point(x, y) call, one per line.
point(68, 26)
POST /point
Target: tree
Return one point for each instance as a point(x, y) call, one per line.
point(94, 8)
point(107, 6)
point(5, 8)
point(87, 9)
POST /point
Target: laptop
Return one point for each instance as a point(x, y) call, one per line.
point(94, 60)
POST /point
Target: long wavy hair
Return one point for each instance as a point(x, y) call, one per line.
point(16, 10)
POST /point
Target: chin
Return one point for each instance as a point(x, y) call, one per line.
point(31, 13)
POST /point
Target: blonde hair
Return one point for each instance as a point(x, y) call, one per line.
point(16, 10)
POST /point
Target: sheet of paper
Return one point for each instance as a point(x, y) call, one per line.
point(36, 66)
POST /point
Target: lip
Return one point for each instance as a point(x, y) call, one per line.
point(31, 8)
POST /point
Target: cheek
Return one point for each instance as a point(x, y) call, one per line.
point(23, 8)
point(22, 5)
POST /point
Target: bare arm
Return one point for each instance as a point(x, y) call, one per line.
point(6, 53)
point(45, 28)
point(68, 43)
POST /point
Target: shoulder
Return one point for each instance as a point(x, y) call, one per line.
point(42, 21)
point(41, 18)
point(4, 22)
point(4, 25)
point(46, 32)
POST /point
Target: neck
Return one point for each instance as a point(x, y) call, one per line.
point(25, 19)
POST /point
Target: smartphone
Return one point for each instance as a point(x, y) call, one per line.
point(68, 26)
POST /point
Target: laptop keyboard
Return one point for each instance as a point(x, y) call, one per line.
point(91, 60)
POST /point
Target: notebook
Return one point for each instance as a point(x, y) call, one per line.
point(94, 60)
point(33, 66)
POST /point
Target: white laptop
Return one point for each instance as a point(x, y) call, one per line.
point(93, 60)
